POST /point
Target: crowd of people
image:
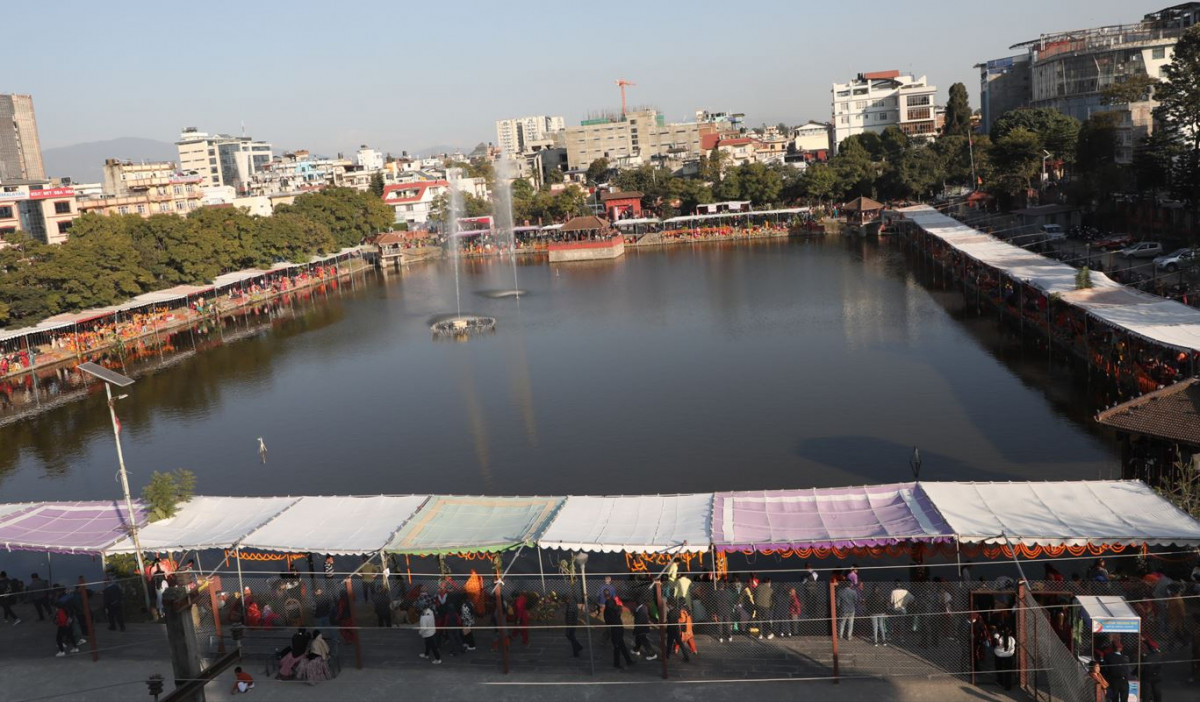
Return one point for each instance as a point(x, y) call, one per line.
point(62, 607)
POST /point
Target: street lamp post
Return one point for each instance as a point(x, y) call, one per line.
point(111, 378)
point(582, 558)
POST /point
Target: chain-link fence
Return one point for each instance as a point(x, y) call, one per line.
point(783, 624)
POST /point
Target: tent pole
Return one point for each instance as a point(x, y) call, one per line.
point(237, 552)
point(541, 571)
point(385, 572)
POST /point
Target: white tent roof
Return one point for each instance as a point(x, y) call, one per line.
point(1062, 513)
point(336, 525)
point(636, 524)
point(206, 522)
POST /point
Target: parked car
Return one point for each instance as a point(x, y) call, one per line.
point(1113, 242)
point(1054, 232)
point(1181, 258)
point(1146, 249)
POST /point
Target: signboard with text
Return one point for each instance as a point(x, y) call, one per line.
point(51, 192)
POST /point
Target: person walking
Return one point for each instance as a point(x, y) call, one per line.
point(673, 621)
point(1004, 648)
point(687, 632)
point(795, 610)
point(62, 635)
point(764, 601)
point(1151, 674)
point(7, 593)
point(725, 600)
point(39, 595)
point(571, 620)
point(521, 612)
point(428, 631)
point(466, 613)
point(746, 606)
point(616, 632)
point(370, 573)
point(847, 606)
point(641, 632)
point(877, 608)
point(114, 604)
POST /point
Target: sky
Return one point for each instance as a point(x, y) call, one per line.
point(329, 76)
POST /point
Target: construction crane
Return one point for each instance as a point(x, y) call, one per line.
point(621, 82)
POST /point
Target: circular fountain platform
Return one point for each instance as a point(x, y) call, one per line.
point(501, 294)
point(460, 327)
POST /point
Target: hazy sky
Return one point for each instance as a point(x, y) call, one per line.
point(406, 75)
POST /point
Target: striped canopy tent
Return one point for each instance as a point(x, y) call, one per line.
point(68, 527)
point(340, 526)
point(448, 525)
point(852, 517)
point(632, 524)
point(206, 522)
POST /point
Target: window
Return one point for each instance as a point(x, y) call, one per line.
point(178, 189)
point(122, 210)
point(141, 209)
point(178, 204)
point(6, 212)
point(843, 120)
point(64, 227)
point(62, 208)
point(1158, 52)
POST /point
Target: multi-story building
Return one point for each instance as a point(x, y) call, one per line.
point(369, 159)
point(1004, 85)
point(222, 159)
point(637, 135)
point(1069, 71)
point(875, 101)
point(20, 149)
point(513, 136)
point(145, 189)
point(810, 141)
point(413, 202)
point(44, 213)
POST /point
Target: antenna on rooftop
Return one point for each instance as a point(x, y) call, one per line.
point(243, 127)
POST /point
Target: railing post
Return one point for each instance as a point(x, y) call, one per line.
point(216, 614)
point(833, 629)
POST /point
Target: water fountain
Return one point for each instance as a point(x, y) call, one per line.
point(502, 213)
point(458, 326)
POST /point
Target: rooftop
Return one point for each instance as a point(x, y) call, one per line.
point(1171, 413)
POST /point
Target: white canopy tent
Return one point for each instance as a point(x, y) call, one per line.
point(340, 526)
point(206, 522)
point(1062, 513)
point(632, 524)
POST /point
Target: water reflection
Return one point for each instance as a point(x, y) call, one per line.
point(781, 363)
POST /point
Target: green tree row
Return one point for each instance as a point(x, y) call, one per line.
point(109, 259)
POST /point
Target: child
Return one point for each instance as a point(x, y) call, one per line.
point(242, 681)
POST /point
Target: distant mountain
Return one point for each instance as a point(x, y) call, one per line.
point(84, 163)
point(435, 150)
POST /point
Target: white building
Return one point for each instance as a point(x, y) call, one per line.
point(413, 202)
point(873, 102)
point(811, 138)
point(513, 136)
point(221, 159)
point(369, 159)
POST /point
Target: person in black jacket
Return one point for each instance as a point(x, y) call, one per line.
point(114, 604)
point(616, 632)
point(1151, 674)
point(641, 631)
point(1116, 672)
point(571, 619)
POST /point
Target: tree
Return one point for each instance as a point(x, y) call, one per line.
point(1179, 112)
point(759, 184)
point(521, 189)
point(376, 187)
point(893, 143)
point(919, 172)
point(597, 171)
point(855, 169)
point(554, 176)
point(1098, 173)
point(958, 112)
point(1057, 132)
point(821, 182)
point(166, 491)
point(1018, 159)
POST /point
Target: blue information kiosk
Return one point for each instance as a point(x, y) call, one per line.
point(1103, 620)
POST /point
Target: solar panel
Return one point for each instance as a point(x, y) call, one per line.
point(105, 374)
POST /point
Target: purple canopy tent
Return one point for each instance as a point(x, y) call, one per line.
point(67, 527)
point(877, 515)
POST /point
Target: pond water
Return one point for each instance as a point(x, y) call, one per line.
point(744, 366)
